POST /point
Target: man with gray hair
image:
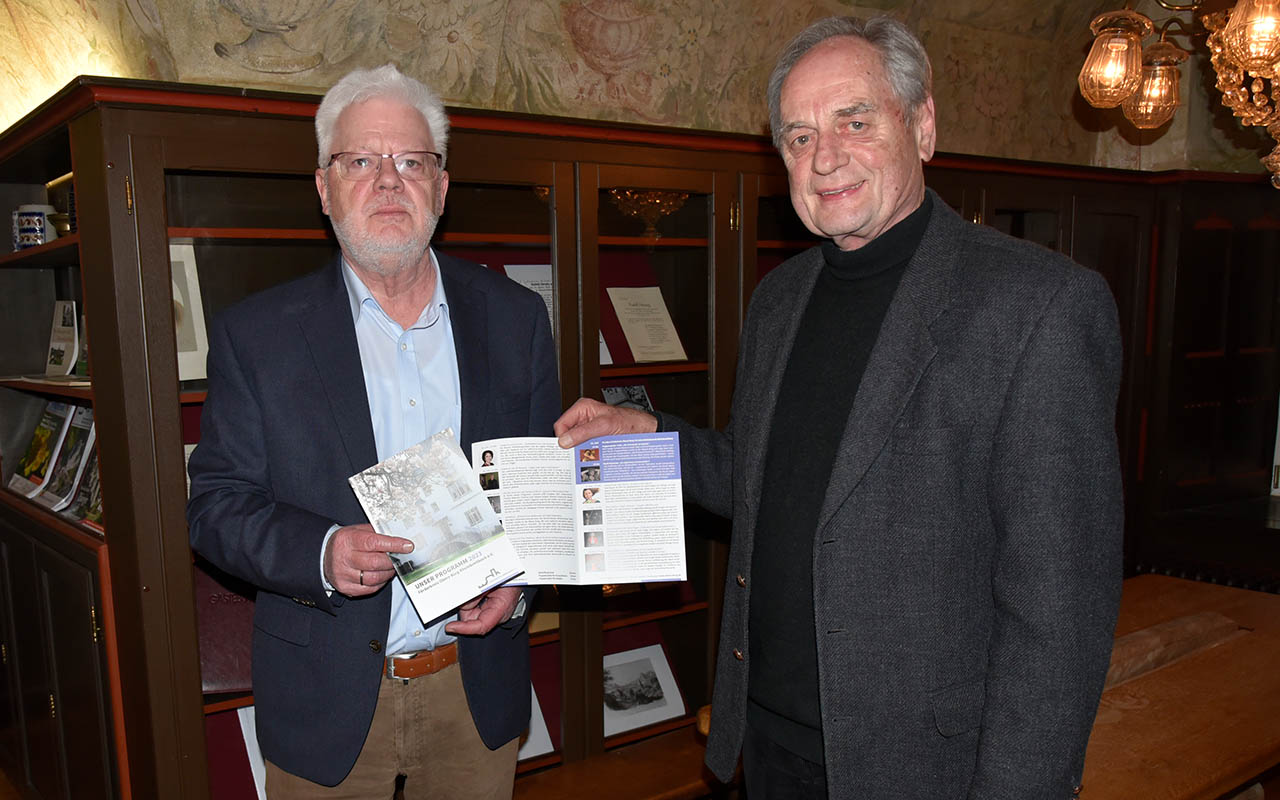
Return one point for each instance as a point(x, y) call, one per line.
point(318, 379)
point(932, 618)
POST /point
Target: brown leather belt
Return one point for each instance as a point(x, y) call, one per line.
point(415, 665)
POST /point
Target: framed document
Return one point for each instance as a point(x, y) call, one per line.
point(188, 313)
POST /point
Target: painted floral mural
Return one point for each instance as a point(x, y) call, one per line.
point(1004, 69)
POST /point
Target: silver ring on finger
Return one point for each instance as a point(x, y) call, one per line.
point(362, 577)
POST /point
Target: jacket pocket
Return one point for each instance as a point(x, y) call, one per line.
point(958, 709)
point(282, 619)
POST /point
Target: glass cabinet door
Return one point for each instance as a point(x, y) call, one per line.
point(650, 283)
point(769, 220)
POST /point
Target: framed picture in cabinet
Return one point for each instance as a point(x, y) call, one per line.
point(639, 689)
point(188, 313)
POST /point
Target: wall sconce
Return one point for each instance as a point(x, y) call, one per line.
point(1244, 48)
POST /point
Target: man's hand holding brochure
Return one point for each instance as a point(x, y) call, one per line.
point(606, 511)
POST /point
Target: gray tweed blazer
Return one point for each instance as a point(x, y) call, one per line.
point(967, 559)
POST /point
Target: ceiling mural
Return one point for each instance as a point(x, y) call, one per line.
point(1004, 69)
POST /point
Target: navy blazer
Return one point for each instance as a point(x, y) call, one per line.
point(286, 422)
point(967, 558)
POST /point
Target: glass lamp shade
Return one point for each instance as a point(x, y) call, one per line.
point(1153, 104)
point(1113, 68)
point(1156, 98)
point(1252, 36)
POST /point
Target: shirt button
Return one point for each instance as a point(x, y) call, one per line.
point(742, 581)
point(737, 654)
point(412, 402)
point(404, 346)
point(417, 633)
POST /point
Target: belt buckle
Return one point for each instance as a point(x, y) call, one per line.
point(389, 665)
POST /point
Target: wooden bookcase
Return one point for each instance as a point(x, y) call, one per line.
point(230, 172)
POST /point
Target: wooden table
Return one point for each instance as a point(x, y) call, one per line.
point(1203, 725)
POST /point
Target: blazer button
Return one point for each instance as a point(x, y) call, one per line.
point(375, 645)
point(741, 581)
point(737, 654)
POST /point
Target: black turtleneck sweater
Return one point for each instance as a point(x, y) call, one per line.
point(831, 350)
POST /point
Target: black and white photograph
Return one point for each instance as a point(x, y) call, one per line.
point(639, 689)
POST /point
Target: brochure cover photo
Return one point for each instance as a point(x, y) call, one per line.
point(428, 494)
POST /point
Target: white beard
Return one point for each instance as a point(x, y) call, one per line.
point(380, 256)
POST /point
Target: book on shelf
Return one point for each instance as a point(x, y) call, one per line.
point(86, 507)
point(81, 369)
point(224, 620)
point(607, 511)
point(67, 471)
point(64, 342)
point(428, 495)
point(46, 440)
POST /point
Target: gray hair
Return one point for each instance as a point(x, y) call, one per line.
point(906, 64)
point(386, 81)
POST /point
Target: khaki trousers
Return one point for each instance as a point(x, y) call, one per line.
point(422, 730)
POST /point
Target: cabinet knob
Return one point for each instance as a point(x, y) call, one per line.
point(737, 653)
point(741, 581)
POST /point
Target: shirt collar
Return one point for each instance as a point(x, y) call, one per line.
point(359, 295)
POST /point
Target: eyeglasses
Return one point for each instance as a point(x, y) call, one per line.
point(415, 165)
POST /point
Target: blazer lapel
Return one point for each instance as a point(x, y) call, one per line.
point(903, 351)
point(468, 317)
point(779, 318)
point(330, 335)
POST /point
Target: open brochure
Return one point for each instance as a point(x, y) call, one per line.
point(428, 494)
point(608, 511)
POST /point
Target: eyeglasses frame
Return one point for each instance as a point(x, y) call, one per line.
point(438, 169)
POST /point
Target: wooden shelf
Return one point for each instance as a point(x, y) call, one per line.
point(785, 244)
point(667, 766)
point(50, 389)
point(323, 234)
point(461, 238)
point(650, 616)
point(668, 368)
point(85, 537)
point(303, 234)
point(650, 242)
point(226, 701)
point(62, 252)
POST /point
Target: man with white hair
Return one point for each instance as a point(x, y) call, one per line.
point(315, 380)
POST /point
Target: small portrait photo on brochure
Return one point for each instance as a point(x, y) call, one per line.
point(589, 454)
point(591, 494)
point(486, 459)
point(488, 480)
point(593, 538)
point(495, 500)
point(590, 474)
point(593, 516)
point(595, 562)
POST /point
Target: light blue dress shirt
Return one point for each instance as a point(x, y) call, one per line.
point(411, 378)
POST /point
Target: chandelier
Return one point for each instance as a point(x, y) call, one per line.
point(1244, 48)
